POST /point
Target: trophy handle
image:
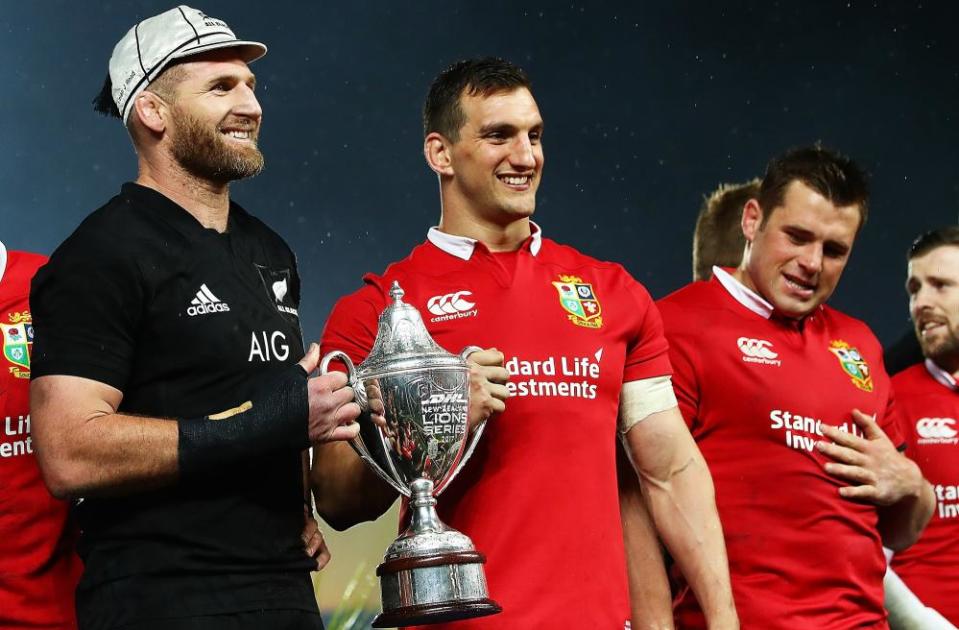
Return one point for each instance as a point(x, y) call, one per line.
point(360, 394)
point(474, 439)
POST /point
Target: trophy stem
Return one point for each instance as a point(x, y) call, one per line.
point(423, 516)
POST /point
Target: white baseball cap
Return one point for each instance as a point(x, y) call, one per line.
point(149, 47)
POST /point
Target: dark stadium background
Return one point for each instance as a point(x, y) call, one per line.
point(647, 105)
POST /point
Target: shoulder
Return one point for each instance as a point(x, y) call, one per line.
point(847, 325)
point(570, 258)
point(911, 378)
point(256, 229)
point(691, 303)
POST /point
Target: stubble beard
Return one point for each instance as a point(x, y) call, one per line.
point(943, 352)
point(203, 152)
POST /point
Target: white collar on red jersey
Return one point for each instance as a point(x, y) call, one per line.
point(743, 294)
point(462, 246)
point(3, 259)
point(941, 375)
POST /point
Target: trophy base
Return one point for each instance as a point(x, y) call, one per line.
point(425, 614)
point(434, 588)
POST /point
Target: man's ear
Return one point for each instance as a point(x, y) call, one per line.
point(151, 110)
point(752, 219)
point(438, 153)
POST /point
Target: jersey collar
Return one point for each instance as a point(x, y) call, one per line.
point(941, 375)
point(743, 294)
point(3, 259)
point(463, 246)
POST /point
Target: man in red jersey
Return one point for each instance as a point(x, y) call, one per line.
point(788, 400)
point(38, 567)
point(928, 398)
point(582, 346)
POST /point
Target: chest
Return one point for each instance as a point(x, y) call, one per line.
point(931, 422)
point(770, 384)
point(213, 318)
point(564, 335)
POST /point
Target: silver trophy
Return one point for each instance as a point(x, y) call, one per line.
point(431, 573)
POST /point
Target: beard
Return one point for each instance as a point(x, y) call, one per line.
point(203, 152)
point(943, 350)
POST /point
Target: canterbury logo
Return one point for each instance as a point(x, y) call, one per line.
point(205, 302)
point(450, 304)
point(756, 348)
point(936, 428)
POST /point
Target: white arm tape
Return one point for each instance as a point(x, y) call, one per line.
point(906, 612)
point(640, 399)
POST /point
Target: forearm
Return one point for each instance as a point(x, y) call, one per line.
point(345, 489)
point(679, 494)
point(108, 454)
point(901, 523)
point(684, 510)
point(650, 600)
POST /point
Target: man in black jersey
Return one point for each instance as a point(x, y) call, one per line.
point(166, 390)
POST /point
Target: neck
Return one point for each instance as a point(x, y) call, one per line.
point(498, 237)
point(207, 201)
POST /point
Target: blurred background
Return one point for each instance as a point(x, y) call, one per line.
point(648, 106)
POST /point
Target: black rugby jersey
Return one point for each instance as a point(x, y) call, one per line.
point(186, 322)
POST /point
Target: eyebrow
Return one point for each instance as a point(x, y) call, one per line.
point(808, 234)
point(251, 80)
point(506, 128)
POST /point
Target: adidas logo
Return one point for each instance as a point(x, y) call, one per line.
point(205, 302)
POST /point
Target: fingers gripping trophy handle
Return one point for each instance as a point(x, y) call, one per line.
point(477, 432)
point(359, 392)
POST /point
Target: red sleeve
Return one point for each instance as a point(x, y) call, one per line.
point(647, 353)
point(893, 421)
point(351, 326)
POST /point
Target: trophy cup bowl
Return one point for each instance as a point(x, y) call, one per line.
point(431, 573)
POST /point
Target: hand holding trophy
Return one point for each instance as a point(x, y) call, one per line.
point(413, 433)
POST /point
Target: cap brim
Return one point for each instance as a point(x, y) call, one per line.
point(249, 51)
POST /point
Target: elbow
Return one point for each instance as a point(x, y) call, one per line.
point(337, 516)
point(61, 478)
point(61, 474)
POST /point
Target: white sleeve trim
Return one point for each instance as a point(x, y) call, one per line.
point(640, 399)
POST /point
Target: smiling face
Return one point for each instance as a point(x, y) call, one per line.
point(497, 162)
point(933, 287)
point(216, 118)
point(796, 258)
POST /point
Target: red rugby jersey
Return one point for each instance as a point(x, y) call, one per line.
point(928, 399)
point(539, 495)
point(754, 389)
point(38, 566)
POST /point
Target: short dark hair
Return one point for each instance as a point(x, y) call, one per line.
point(718, 239)
point(103, 102)
point(829, 173)
point(442, 112)
point(928, 241)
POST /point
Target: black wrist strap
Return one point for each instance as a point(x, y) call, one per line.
point(275, 419)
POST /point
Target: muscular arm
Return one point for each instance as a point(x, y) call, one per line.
point(649, 594)
point(85, 448)
point(679, 492)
